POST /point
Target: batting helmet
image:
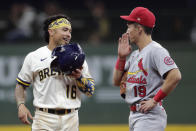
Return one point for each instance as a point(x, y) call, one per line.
point(68, 58)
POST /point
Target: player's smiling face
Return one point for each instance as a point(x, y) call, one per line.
point(62, 35)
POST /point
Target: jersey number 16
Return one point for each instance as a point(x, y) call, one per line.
point(71, 91)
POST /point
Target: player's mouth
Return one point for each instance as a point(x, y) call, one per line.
point(66, 40)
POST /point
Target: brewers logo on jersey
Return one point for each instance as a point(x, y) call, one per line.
point(36, 70)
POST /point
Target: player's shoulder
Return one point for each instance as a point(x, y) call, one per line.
point(41, 49)
point(85, 64)
point(37, 52)
point(156, 47)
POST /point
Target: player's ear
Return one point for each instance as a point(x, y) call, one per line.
point(140, 28)
point(51, 32)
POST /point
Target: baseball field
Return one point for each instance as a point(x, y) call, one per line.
point(102, 128)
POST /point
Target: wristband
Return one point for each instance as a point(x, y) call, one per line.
point(120, 64)
point(20, 104)
point(159, 96)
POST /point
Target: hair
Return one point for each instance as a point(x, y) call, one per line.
point(48, 21)
point(147, 30)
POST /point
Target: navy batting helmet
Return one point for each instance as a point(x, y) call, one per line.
point(69, 57)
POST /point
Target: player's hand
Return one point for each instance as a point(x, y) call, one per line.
point(23, 114)
point(122, 88)
point(76, 74)
point(147, 105)
point(124, 49)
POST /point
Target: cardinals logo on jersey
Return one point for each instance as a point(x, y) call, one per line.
point(140, 65)
point(138, 79)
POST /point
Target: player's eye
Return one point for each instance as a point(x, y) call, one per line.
point(65, 29)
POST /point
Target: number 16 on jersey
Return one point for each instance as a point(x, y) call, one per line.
point(71, 92)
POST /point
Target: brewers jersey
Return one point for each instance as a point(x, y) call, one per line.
point(146, 69)
point(51, 89)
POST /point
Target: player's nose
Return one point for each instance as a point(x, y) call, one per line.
point(68, 34)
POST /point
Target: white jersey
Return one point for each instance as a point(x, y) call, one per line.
point(50, 89)
point(146, 70)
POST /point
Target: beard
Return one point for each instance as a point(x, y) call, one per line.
point(62, 42)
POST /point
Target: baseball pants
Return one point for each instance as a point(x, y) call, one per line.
point(44, 121)
point(154, 120)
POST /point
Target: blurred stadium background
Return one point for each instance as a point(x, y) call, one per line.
point(97, 27)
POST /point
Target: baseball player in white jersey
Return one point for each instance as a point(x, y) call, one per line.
point(151, 73)
point(56, 95)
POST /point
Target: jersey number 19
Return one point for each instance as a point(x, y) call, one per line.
point(139, 90)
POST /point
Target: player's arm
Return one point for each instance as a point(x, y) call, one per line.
point(172, 78)
point(86, 85)
point(170, 83)
point(23, 81)
point(23, 112)
point(124, 49)
point(118, 74)
point(123, 85)
point(20, 95)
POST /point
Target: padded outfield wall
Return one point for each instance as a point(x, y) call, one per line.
point(106, 106)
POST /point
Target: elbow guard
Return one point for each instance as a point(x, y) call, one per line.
point(86, 85)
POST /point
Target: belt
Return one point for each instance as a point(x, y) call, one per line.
point(57, 111)
point(136, 107)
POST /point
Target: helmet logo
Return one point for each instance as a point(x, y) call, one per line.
point(62, 49)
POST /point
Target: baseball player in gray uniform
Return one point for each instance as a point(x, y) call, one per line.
point(57, 96)
point(151, 72)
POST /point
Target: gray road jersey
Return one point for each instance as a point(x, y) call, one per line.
point(145, 72)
